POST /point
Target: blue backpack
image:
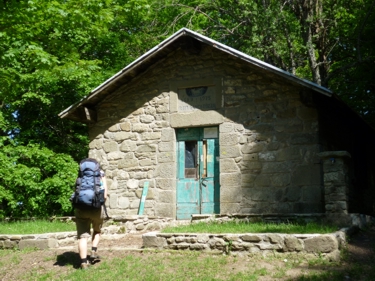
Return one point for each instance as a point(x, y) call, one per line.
point(87, 194)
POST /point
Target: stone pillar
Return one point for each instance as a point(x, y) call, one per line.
point(336, 185)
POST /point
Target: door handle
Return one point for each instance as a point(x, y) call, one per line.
point(203, 180)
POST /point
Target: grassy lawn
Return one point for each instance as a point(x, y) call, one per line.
point(35, 227)
point(52, 264)
point(46, 226)
point(149, 265)
point(251, 227)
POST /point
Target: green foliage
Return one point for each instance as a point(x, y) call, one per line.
point(52, 54)
point(35, 181)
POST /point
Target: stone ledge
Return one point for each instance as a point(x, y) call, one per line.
point(326, 245)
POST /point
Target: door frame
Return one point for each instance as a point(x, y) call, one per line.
point(198, 188)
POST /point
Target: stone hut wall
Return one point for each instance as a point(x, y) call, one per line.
point(268, 138)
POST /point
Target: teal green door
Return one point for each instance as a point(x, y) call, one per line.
point(198, 172)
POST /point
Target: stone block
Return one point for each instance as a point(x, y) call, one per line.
point(253, 147)
point(196, 118)
point(167, 196)
point(146, 119)
point(132, 183)
point(110, 146)
point(321, 244)
point(150, 136)
point(151, 240)
point(198, 247)
point(251, 165)
point(167, 210)
point(267, 156)
point(293, 244)
point(38, 244)
point(228, 139)
point(128, 145)
point(226, 127)
point(230, 179)
point(146, 148)
point(168, 134)
point(232, 151)
point(123, 203)
point(335, 178)
point(127, 163)
point(293, 194)
point(113, 200)
point(307, 175)
point(115, 155)
point(247, 180)
point(166, 183)
point(96, 144)
point(146, 162)
point(289, 153)
point(266, 194)
point(230, 195)
point(166, 157)
point(121, 136)
point(279, 180)
point(166, 170)
point(277, 167)
point(230, 208)
point(125, 126)
point(262, 180)
point(312, 193)
point(251, 238)
point(228, 165)
point(275, 239)
point(166, 146)
point(134, 204)
point(140, 128)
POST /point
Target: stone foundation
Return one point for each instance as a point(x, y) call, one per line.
point(327, 245)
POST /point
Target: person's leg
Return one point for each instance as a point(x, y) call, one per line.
point(95, 239)
point(97, 223)
point(83, 234)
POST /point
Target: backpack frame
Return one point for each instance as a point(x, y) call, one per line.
point(87, 193)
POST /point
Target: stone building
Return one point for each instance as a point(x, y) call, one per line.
point(213, 130)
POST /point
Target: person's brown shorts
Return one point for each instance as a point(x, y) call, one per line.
point(86, 218)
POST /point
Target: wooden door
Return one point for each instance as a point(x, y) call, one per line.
point(198, 173)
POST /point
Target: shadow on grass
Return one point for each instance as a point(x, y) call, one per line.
point(68, 259)
point(71, 259)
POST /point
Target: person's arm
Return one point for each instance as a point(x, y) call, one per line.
point(105, 187)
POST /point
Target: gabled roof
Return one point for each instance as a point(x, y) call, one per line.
point(82, 110)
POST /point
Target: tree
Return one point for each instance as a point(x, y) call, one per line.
point(35, 182)
point(52, 54)
point(329, 42)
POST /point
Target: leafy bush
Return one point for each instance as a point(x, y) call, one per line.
point(35, 181)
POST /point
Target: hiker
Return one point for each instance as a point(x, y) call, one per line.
point(89, 216)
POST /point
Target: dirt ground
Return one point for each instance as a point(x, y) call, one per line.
point(360, 250)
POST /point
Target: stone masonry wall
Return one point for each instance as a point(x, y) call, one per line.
point(328, 245)
point(268, 139)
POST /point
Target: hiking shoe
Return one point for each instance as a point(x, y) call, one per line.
point(94, 256)
point(85, 265)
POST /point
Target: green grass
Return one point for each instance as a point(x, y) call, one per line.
point(251, 227)
point(154, 265)
point(35, 227)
